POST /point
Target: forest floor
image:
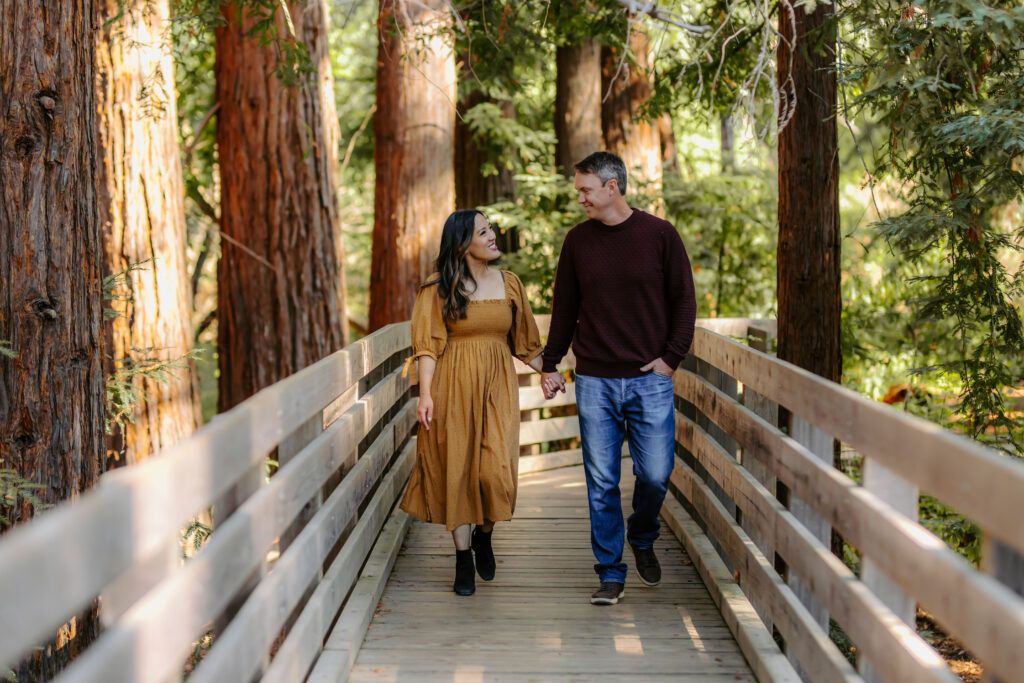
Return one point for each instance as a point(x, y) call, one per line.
point(961, 662)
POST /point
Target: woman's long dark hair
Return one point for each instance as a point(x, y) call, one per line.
point(452, 270)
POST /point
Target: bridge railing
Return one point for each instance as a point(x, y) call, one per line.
point(295, 563)
point(767, 498)
point(286, 541)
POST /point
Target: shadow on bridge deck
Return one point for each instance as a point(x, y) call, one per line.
point(535, 621)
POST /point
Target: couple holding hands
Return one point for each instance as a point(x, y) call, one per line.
point(624, 298)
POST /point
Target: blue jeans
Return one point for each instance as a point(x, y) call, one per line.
point(642, 409)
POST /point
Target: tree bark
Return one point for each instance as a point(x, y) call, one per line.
point(625, 133)
point(809, 239)
point(667, 138)
point(577, 103)
point(281, 290)
point(143, 217)
point(51, 394)
point(727, 143)
point(413, 157)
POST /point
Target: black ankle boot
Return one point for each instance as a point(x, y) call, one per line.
point(464, 582)
point(485, 565)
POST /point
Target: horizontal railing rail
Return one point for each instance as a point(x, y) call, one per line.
point(296, 561)
point(770, 497)
point(340, 431)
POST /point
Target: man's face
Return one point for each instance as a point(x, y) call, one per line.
point(596, 198)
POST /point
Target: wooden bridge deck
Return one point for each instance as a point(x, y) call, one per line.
point(534, 621)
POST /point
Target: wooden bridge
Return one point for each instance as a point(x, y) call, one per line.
point(312, 574)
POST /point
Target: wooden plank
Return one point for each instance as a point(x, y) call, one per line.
point(529, 464)
point(821, 445)
point(750, 457)
point(140, 578)
point(817, 655)
point(339, 653)
point(1005, 565)
point(237, 652)
point(893, 646)
point(902, 497)
point(141, 506)
point(155, 634)
point(541, 603)
point(531, 398)
point(979, 482)
point(763, 655)
point(966, 602)
point(549, 430)
point(738, 327)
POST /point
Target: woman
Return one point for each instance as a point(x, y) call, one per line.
point(468, 321)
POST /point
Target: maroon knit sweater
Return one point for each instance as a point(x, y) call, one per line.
point(623, 297)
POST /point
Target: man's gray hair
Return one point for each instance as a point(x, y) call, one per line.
point(605, 166)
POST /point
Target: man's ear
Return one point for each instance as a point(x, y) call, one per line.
point(613, 184)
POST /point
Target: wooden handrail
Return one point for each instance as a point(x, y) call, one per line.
point(130, 515)
point(987, 616)
point(344, 429)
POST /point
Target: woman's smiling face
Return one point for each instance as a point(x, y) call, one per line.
point(484, 246)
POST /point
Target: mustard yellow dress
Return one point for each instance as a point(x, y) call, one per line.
point(467, 464)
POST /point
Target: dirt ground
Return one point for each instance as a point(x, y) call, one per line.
point(960, 661)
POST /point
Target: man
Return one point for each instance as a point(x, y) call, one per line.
point(624, 298)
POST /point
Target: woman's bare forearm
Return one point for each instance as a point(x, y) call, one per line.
point(425, 371)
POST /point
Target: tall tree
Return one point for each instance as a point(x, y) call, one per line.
point(280, 285)
point(809, 238)
point(626, 84)
point(141, 209)
point(577, 103)
point(414, 132)
point(51, 393)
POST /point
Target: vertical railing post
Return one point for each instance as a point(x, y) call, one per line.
point(820, 444)
point(1006, 565)
point(902, 496)
point(753, 461)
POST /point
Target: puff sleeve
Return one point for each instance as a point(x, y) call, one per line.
point(523, 338)
point(429, 334)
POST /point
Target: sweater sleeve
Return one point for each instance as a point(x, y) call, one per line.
point(565, 309)
point(682, 299)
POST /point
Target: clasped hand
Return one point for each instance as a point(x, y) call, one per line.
point(551, 383)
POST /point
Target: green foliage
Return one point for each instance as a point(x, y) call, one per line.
point(6, 350)
point(196, 534)
point(15, 490)
point(959, 533)
point(124, 385)
point(946, 77)
point(293, 65)
point(543, 211)
point(728, 223)
point(115, 284)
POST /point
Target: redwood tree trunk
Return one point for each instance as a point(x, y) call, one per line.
point(281, 294)
point(632, 138)
point(809, 239)
point(577, 103)
point(141, 208)
point(414, 131)
point(669, 151)
point(51, 394)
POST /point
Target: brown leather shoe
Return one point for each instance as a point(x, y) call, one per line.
point(647, 565)
point(608, 594)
